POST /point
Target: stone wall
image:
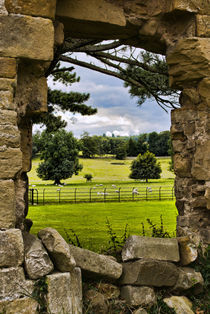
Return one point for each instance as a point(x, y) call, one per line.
point(29, 33)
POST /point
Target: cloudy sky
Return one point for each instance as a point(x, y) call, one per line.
point(118, 113)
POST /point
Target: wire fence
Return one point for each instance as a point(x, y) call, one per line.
point(93, 195)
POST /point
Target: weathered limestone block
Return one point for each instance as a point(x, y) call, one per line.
point(9, 136)
point(207, 196)
point(7, 67)
point(138, 295)
point(21, 306)
point(188, 278)
point(96, 264)
point(188, 251)
point(76, 290)
point(59, 299)
point(149, 273)
point(3, 10)
point(7, 84)
point(58, 249)
point(140, 311)
point(182, 165)
point(13, 283)
point(203, 89)
point(37, 262)
point(201, 160)
point(11, 248)
point(7, 204)
point(44, 8)
point(26, 37)
point(59, 33)
point(162, 249)
point(11, 162)
point(8, 117)
point(7, 101)
point(195, 6)
point(188, 61)
point(203, 25)
point(179, 304)
point(31, 93)
point(94, 10)
point(21, 199)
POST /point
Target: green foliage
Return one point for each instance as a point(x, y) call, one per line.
point(63, 101)
point(121, 152)
point(36, 144)
point(153, 83)
point(39, 294)
point(131, 147)
point(159, 143)
point(145, 167)
point(157, 231)
point(60, 155)
point(73, 238)
point(88, 177)
point(89, 145)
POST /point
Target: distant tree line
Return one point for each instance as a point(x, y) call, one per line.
point(120, 147)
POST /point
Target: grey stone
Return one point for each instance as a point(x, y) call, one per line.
point(76, 290)
point(58, 249)
point(37, 262)
point(188, 278)
point(188, 251)
point(163, 249)
point(149, 273)
point(140, 311)
point(138, 295)
point(96, 264)
point(181, 305)
point(20, 306)
point(97, 302)
point(59, 299)
point(3, 10)
point(13, 284)
point(11, 248)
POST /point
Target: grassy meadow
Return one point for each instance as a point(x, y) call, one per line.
point(88, 220)
point(105, 171)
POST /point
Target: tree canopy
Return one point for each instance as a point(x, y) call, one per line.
point(145, 167)
point(59, 152)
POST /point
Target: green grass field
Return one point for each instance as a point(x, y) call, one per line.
point(89, 220)
point(105, 171)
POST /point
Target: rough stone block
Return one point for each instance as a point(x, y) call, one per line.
point(13, 283)
point(11, 248)
point(135, 296)
point(7, 204)
point(59, 299)
point(9, 136)
point(7, 84)
point(3, 10)
point(195, 6)
point(20, 306)
point(182, 165)
point(7, 101)
point(179, 304)
point(95, 264)
point(58, 249)
point(201, 160)
point(76, 290)
point(203, 89)
point(187, 279)
point(189, 61)
point(26, 37)
point(188, 251)
point(149, 273)
point(207, 196)
point(7, 67)
point(37, 262)
point(162, 249)
point(8, 117)
point(44, 8)
point(203, 25)
point(11, 162)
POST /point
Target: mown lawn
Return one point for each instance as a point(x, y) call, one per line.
point(89, 220)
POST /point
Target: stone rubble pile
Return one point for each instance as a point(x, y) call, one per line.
point(147, 265)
